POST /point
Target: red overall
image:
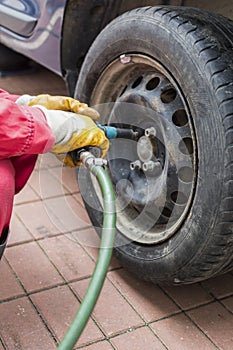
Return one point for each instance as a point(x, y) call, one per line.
point(24, 133)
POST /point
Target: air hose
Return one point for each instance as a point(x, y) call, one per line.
point(105, 252)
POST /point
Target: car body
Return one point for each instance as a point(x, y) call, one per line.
point(34, 28)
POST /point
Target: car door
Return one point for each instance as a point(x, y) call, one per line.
point(33, 28)
point(20, 16)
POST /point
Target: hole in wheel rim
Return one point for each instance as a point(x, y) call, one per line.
point(153, 83)
point(137, 82)
point(186, 146)
point(178, 197)
point(168, 95)
point(180, 118)
point(185, 174)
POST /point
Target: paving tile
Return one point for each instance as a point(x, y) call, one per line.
point(112, 312)
point(70, 259)
point(58, 307)
point(216, 322)
point(32, 266)
point(67, 177)
point(38, 219)
point(220, 286)
point(22, 328)
point(178, 332)
point(147, 299)
point(228, 303)
point(189, 296)
point(88, 238)
point(79, 210)
point(46, 185)
point(18, 232)
point(9, 284)
point(142, 338)
point(68, 214)
point(103, 345)
point(27, 194)
point(90, 241)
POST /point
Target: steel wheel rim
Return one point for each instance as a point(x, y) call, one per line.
point(138, 75)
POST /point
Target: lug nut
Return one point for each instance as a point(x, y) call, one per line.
point(135, 165)
point(151, 166)
point(150, 132)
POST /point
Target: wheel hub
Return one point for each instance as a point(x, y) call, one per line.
point(145, 149)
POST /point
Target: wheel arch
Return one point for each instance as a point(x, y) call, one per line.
point(84, 20)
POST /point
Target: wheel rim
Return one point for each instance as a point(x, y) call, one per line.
point(154, 200)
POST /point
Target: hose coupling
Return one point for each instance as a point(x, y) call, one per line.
point(88, 159)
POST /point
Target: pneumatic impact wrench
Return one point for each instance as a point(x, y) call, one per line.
point(111, 132)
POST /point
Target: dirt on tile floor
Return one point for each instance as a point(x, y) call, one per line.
point(50, 258)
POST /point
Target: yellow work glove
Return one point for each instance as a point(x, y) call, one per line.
point(63, 103)
point(73, 131)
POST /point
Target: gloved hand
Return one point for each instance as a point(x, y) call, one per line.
point(73, 131)
point(58, 102)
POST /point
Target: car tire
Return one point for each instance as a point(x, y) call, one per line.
point(193, 49)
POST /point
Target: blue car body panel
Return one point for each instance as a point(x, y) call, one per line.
point(34, 28)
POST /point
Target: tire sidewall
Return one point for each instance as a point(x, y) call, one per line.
point(157, 40)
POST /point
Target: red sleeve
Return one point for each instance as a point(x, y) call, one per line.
point(7, 96)
point(23, 130)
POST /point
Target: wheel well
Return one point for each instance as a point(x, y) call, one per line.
point(83, 20)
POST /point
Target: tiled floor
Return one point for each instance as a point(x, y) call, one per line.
point(49, 261)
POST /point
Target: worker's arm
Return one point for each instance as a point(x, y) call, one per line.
point(23, 130)
point(4, 94)
point(36, 129)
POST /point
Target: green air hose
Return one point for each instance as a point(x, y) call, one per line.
point(107, 241)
